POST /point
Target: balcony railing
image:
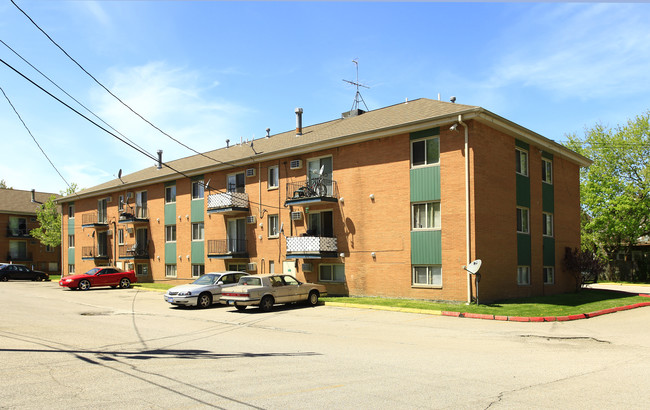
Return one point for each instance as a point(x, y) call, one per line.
point(227, 247)
point(133, 251)
point(310, 192)
point(19, 256)
point(93, 219)
point(314, 246)
point(228, 201)
point(18, 233)
point(130, 214)
point(88, 252)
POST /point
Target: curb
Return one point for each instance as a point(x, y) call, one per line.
point(496, 317)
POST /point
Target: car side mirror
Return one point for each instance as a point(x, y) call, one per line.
point(220, 282)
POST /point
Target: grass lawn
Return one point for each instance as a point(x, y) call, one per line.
point(153, 286)
point(586, 301)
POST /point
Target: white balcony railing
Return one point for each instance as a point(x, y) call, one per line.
point(228, 200)
point(310, 244)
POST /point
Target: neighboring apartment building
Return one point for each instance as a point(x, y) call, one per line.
point(18, 218)
point(396, 217)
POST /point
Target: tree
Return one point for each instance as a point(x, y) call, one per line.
point(49, 220)
point(71, 189)
point(615, 189)
point(3, 185)
point(585, 266)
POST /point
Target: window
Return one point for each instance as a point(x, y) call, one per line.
point(331, 273)
point(49, 248)
point(18, 250)
point(522, 162)
point(321, 224)
point(273, 226)
point(197, 231)
point(17, 226)
point(523, 275)
point(120, 203)
point(427, 276)
point(313, 171)
point(549, 275)
point(120, 236)
point(170, 194)
point(271, 266)
point(170, 233)
point(236, 235)
point(238, 267)
point(426, 215)
point(52, 266)
point(198, 270)
point(70, 210)
point(522, 220)
point(141, 204)
point(197, 189)
point(102, 244)
point(547, 224)
point(101, 211)
point(170, 271)
point(70, 268)
point(70, 241)
point(273, 180)
point(236, 183)
point(547, 171)
point(425, 152)
point(142, 269)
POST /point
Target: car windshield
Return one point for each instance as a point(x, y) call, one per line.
point(205, 280)
point(92, 271)
point(250, 281)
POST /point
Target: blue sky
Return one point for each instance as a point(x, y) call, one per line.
point(207, 71)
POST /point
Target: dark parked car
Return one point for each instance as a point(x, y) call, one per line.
point(14, 271)
point(104, 276)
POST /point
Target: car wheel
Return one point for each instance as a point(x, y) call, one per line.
point(313, 298)
point(41, 278)
point(266, 304)
point(125, 283)
point(204, 300)
point(4, 278)
point(240, 307)
point(84, 285)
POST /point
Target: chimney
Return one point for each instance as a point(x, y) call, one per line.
point(159, 159)
point(298, 122)
point(33, 195)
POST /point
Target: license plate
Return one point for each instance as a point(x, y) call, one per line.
point(231, 302)
point(170, 300)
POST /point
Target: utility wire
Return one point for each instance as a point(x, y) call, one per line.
point(32, 135)
point(109, 91)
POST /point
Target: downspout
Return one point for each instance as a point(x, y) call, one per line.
point(467, 216)
point(115, 244)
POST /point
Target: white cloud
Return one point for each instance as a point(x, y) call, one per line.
point(96, 11)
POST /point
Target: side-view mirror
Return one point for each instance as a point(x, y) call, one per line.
point(220, 282)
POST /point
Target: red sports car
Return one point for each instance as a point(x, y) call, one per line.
point(104, 276)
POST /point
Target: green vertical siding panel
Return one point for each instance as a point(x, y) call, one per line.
point(70, 256)
point(426, 248)
point(70, 226)
point(198, 252)
point(170, 214)
point(548, 198)
point(425, 133)
point(170, 253)
point(197, 210)
point(549, 251)
point(523, 190)
point(425, 184)
point(522, 145)
point(523, 250)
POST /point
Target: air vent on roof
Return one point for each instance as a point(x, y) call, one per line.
point(295, 164)
point(250, 172)
point(352, 113)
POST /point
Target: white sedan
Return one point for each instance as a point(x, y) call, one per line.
point(267, 290)
point(204, 291)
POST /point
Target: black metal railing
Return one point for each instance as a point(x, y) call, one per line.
point(325, 188)
point(133, 251)
point(226, 246)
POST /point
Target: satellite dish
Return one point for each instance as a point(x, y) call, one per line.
point(474, 266)
point(119, 174)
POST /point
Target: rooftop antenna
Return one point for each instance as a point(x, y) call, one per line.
point(357, 97)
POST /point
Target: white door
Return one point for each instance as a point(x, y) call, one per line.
point(289, 268)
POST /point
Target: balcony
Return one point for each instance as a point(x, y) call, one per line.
point(18, 233)
point(93, 220)
point(228, 203)
point(19, 257)
point(133, 251)
point(310, 193)
point(91, 252)
point(227, 248)
point(133, 216)
point(311, 247)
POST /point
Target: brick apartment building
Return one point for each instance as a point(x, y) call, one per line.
point(17, 219)
point(412, 193)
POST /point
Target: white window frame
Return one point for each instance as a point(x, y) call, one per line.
point(332, 275)
point(524, 222)
point(120, 203)
point(427, 161)
point(523, 275)
point(547, 171)
point(201, 190)
point(549, 278)
point(547, 224)
point(139, 271)
point(120, 236)
point(431, 275)
point(71, 268)
point(273, 181)
point(169, 229)
point(172, 190)
point(521, 169)
point(430, 225)
point(71, 241)
point(171, 271)
point(197, 270)
point(230, 187)
point(198, 231)
point(71, 211)
point(273, 225)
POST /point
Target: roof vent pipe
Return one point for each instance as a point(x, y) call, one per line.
point(159, 159)
point(452, 99)
point(33, 195)
point(227, 143)
point(268, 133)
point(298, 122)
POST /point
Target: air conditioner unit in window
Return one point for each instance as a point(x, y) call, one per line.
point(296, 216)
point(251, 267)
point(250, 172)
point(295, 164)
point(307, 267)
point(250, 219)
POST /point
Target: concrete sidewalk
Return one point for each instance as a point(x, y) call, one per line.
point(634, 289)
